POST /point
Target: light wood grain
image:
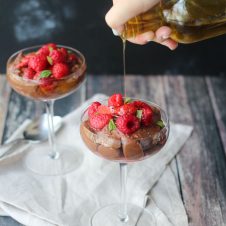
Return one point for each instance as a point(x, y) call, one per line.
point(217, 92)
point(201, 162)
point(4, 99)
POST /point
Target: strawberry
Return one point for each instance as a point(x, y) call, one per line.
point(116, 100)
point(57, 56)
point(37, 62)
point(28, 73)
point(60, 70)
point(93, 108)
point(99, 121)
point(128, 124)
point(126, 109)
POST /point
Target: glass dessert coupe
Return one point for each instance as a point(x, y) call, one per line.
point(124, 132)
point(47, 73)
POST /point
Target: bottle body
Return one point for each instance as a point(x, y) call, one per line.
point(190, 20)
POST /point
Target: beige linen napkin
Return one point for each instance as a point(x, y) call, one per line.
point(70, 200)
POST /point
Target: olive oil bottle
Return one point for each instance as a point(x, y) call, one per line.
point(190, 20)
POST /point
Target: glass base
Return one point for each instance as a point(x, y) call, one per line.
point(39, 160)
point(109, 216)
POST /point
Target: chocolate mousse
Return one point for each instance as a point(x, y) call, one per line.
point(45, 73)
point(124, 138)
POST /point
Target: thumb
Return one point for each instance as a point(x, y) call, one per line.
point(123, 10)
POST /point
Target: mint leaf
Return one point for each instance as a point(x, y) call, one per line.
point(111, 125)
point(127, 100)
point(50, 49)
point(160, 123)
point(69, 51)
point(45, 74)
point(50, 60)
point(139, 114)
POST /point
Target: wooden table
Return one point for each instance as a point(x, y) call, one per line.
point(198, 101)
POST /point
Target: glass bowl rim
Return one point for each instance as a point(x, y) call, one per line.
point(78, 53)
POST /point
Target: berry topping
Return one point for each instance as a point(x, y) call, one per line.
point(99, 121)
point(47, 83)
point(60, 70)
point(93, 108)
point(37, 62)
point(71, 58)
point(46, 49)
point(147, 116)
point(28, 73)
point(147, 112)
point(128, 124)
point(127, 109)
point(57, 56)
point(116, 100)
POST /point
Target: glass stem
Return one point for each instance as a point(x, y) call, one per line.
point(123, 199)
point(49, 110)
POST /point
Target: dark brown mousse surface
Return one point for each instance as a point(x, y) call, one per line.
point(117, 146)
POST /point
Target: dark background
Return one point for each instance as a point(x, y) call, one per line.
point(81, 24)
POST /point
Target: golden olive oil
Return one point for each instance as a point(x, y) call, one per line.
point(190, 20)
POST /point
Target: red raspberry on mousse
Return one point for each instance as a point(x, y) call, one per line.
point(60, 70)
point(116, 100)
point(57, 56)
point(99, 121)
point(93, 108)
point(128, 124)
point(37, 62)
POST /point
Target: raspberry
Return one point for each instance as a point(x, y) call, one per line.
point(60, 70)
point(128, 124)
point(37, 62)
point(147, 116)
point(24, 61)
point(93, 108)
point(127, 109)
point(71, 58)
point(64, 52)
point(147, 113)
point(47, 83)
point(28, 73)
point(102, 109)
point(45, 50)
point(115, 100)
point(57, 56)
point(99, 121)
point(139, 104)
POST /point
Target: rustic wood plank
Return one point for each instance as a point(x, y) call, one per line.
point(150, 88)
point(4, 98)
point(216, 87)
point(202, 164)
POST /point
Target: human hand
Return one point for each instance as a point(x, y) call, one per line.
point(124, 10)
